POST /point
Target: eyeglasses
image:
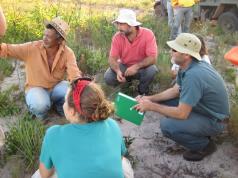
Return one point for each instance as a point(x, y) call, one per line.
point(74, 82)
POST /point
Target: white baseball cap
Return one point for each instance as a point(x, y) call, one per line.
point(127, 16)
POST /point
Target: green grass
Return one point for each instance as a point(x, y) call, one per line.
point(6, 68)
point(25, 139)
point(233, 124)
point(8, 105)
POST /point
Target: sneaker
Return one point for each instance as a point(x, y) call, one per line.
point(199, 155)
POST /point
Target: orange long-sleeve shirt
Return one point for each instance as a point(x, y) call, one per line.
point(37, 69)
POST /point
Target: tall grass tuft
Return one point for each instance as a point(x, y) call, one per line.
point(8, 105)
point(6, 68)
point(24, 140)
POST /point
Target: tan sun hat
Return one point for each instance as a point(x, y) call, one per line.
point(60, 26)
point(127, 16)
point(186, 43)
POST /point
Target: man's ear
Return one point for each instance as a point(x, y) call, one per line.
point(60, 40)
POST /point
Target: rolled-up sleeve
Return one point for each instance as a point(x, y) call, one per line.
point(115, 47)
point(17, 51)
point(73, 71)
point(45, 157)
point(151, 46)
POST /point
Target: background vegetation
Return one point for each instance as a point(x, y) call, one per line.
point(90, 38)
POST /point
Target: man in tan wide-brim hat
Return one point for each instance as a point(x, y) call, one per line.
point(46, 63)
point(197, 107)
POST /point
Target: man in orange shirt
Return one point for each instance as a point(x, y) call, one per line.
point(46, 63)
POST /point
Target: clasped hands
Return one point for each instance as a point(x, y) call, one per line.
point(130, 71)
point(144, 103)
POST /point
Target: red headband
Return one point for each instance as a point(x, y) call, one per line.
point(77, 91)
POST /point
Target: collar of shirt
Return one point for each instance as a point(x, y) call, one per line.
point(61, 48)
point(182, 72)
point(139, 34)
point(57, 56)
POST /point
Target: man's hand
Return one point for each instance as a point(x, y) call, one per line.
point(120, 77)
point(141, 97)
point(144, 105)
point(132, 70)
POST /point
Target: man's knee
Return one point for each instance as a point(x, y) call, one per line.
point(149, 73)
point(59, 91)
point(110, 78)
point(168, 128)
point(38, 101)
point(39, 108)
point(165, 127)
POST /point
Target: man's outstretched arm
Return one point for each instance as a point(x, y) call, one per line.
point(3, 25)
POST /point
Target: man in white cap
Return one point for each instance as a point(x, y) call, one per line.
point(202, 107)
point(133, 53)
point(46, 63)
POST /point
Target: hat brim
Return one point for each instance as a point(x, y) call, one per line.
point(49, 23)
point(133, 24)
point(172, 44)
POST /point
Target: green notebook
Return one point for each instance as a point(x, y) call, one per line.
point(124, 108)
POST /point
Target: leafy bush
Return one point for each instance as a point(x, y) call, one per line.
point(8, 105)
point(6, 68)
point(230, 75)
point(92, 60)
point(24, 139)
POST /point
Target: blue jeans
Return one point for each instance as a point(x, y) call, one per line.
point(170, 11)
point(39, 100)
point(182, 17)
point(192, 133)
point(144, 75)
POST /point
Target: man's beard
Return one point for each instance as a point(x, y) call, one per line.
point(126, 33)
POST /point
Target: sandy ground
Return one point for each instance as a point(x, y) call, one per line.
point(159, 157)
point(155, 156)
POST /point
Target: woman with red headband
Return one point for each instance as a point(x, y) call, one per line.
point(91, 145)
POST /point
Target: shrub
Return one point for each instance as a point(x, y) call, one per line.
point(8, 105)
point(24, 139)
point(6, 68)
point(92, 60)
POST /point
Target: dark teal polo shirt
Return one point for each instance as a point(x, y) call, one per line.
point(202, 87)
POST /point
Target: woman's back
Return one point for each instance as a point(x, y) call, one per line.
point(84, 150)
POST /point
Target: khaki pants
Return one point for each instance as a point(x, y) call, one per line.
point(126, 166)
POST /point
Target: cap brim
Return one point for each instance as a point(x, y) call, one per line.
point(172, 44)
point(123, 21)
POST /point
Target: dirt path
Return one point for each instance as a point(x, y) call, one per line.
point(156, 158)
point(155, 155)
